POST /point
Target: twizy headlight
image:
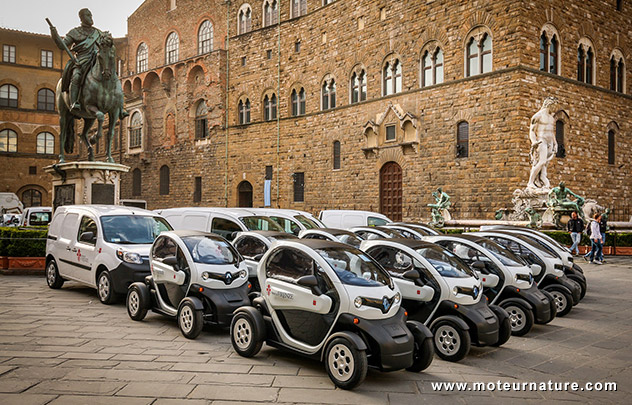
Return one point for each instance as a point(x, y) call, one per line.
point(357, 302)
point(243, 274)
point(397, 298)
point(205, 276)
point(129, 257)
point(455, 290)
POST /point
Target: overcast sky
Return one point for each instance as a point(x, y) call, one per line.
point(29, 15)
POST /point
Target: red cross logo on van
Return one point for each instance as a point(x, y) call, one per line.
point(268, 289)
point(78, 255)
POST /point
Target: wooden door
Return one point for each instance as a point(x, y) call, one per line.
point(391, 191)
point(245, 194)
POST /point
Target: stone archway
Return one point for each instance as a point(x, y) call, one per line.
point(391, 191)
point(244, 189)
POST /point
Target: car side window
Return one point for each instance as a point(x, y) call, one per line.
point(88, 225)
point(163, 248)
point(397, 262)
point(373, 221)
point(224, 227)
point(315, 236)
point(289, 265)
point(69, 226)
point(249, 247)
point(408, 235)
point(287, 225)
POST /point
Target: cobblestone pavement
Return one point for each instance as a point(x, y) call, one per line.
point(65, 347)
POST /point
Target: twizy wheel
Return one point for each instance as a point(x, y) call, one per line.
point(105, 288)
point(423, 354)
point(451, 342)
point(53, 279)
point(520, 317)
point(346, 366)
point(582, 284)
point(504, 332)
point(244, 335)
point(137, 302)
point(190, 320)
point(563, 300)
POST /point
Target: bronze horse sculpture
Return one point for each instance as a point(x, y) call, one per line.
point(102, 94)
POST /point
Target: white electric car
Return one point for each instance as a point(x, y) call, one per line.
point(334, 235)
point(376, 232)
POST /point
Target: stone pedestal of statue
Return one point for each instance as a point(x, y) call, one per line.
point(523, 199)
point(86, 183)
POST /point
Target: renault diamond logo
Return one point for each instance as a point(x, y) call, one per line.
point(386, 304)
point(229, 278)
point(475, 292)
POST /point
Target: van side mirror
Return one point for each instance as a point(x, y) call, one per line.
point(87, 237)
point(310, 281)
point(479, 265)
point(170, 261)
point(411, 275)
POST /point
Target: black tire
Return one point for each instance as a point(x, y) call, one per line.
point(582, 284)
point(504, 332)
point(105, 288)
point(521, 318)
point(244, 335)
point(422, 354)
point(136, 302)
point(346, 366)
point(563, 300)
point(190, 320)
point(451, 342)
point(53, 279)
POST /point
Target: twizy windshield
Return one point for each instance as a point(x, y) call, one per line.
point(257, 223)
point(536, 246)
point(446, 262)
point(307, 223)
point(354, 267)
point(132, 229)
point(506, 256)
point(349, 239)
point(210, 250)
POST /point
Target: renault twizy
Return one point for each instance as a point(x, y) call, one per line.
point(196, 277)
point(331, 302)
point(440, 291)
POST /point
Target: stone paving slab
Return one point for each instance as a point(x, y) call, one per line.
point(65, 347)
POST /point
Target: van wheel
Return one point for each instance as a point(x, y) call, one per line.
point(520, 317)
point(563, 300)
point(451, 342)
point(244, 335)
point(582, 284)
point(105, 288)
point(53, 279)
point(346, 366)
point(423, 353)
point(137, 302)
point(190, 320)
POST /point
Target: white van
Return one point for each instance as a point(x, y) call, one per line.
point(37, 216)
point(345, 219)
point(226, 222)
point(102, 246)
point(292, 221)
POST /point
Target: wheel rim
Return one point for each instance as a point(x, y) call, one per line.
point(517, 317)
point(447, 340)
point(51, 275)
point(242, 333)
point(104, 287)
point(186, 319)
point(341, 362)
point(560, 300)
point(133, 302)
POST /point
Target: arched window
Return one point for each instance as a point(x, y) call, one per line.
point(549, 50)
point(141, 58)
point(31, 198)
point(164, 180)
point(358, 86)
point(8, 141)
point(45, 143)
point(329, 94)
point(336, 155)
point(205, 37)
point(478, 54)
point(201, 123)
point(245, 19)
point(559, 138)
point(611, 146)
point(298, 102)
point(136, 182)
point(585, 61)
point(136, 131)
point(270, 12)
point(432, 67)
point(244, 111)
point(462, 139)
point(8, 96)
point(270, 107)
point(299, 8)
point(617, 71)
point(46, 100)
point(171, 50)
point(392, 77)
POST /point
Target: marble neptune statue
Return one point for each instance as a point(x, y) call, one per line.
point(543, 144)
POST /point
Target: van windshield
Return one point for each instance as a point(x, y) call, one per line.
point(132, 229)
point(259, 223)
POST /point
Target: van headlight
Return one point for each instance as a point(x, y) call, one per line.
point(243, 274)
point(129, 257)
point(397, 298)
point(357, 302)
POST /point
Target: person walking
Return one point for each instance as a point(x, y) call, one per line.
point(575, 227)
point(603, 227)
point(596, 242)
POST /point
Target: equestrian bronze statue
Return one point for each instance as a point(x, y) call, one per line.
point(89, 87)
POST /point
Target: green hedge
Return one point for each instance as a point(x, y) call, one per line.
point(17, 242)
point(622, 239)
